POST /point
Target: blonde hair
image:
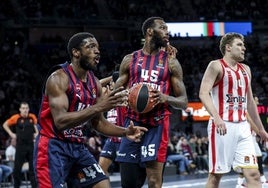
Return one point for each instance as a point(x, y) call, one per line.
point(228, 38)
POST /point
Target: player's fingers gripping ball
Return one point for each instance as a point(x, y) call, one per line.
point(139, 98)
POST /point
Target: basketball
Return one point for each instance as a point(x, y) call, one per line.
point(139, 98)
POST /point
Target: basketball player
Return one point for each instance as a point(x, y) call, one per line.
point(160, 69)
point(226, 93)
point(72, 103)
point(111, 146)
point(254, 131)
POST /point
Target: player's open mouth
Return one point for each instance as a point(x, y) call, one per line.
point(97, 59)
point(166, 39)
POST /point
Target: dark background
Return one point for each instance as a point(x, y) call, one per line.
point(33, 36)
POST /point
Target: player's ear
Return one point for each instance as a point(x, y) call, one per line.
point(76, 53)
point(150, 31)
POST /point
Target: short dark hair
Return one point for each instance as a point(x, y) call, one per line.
point(149, 22)
point(76, 40)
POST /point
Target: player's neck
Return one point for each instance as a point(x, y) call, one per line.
point(230, 62)
point(149, 49)
point(80, 73)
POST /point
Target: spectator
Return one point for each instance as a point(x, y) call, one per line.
point(5, 171)
point(10, 152)
point(182, 163)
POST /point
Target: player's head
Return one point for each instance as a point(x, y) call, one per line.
point(85, 49)
point(76, 41)
point(156, 29)
point(228, 39)
point(149, 23)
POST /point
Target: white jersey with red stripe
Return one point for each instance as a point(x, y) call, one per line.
point(112, 115)
point(229, 94)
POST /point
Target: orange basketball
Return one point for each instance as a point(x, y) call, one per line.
point(139, 98)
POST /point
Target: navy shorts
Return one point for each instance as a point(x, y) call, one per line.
point(110, 149)
point(57, 162)
point(153, 145)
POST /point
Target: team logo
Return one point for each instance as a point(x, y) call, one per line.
point(244, 72)
point(140, 60)
point(94, 93)
point(229, 73)
point(219, 168)
point(78, 87)
point(246, 159)
point(81, 177)
point(133, 155)
point(160, 64)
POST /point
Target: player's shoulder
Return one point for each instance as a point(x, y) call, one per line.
point(245, 66)
point(127, 59)
point(215, 64)
point(58, 74)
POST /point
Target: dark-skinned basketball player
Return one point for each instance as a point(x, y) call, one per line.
point(72, 104)
point(155, 64)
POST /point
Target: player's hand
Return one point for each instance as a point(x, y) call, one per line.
point(220, 126)
point(111, 99)
point(124, 97)
point(157, 97)
point(135, 133)
point(171, 50)
point(264, 135)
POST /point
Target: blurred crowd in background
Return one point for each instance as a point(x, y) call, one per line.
point(24, 64)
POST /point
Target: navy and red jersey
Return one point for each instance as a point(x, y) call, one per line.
point(81, 95)
point(117, 117)
point(154, 71)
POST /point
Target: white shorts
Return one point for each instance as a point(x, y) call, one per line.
point(234, 149)
point(256, 146)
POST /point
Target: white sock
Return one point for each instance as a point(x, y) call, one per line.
point(263, 179)
point(240, 180)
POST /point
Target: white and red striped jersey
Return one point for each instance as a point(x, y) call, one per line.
point(112, 115)
point(229, 95)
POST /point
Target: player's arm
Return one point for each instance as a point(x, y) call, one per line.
point(252, 124)
point(132, 132)
point(123, 72)
point(105, 81)
point(56, 87)
point(179, 100)
point(210, 77)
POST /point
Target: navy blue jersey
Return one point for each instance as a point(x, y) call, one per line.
point(81, 95)
point(154, 71)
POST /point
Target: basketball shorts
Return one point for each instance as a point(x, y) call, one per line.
point(256, 146)
point(234, 149)
point(110, 149)
point(57, 162)
point(153, 145)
